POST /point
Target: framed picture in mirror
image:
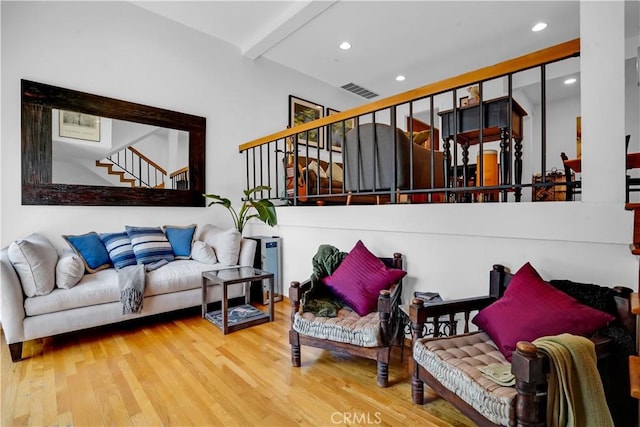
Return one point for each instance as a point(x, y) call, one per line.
point(74, 124)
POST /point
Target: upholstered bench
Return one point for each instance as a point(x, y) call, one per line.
point(346, 327)
point(456, 360)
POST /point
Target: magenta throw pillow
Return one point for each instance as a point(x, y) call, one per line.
point(359, 279)
point(531, 308)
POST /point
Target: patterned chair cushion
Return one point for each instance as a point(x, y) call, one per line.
point(454, 362)
point(346, 327)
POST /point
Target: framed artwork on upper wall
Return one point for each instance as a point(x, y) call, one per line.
point(302, 111)
point(338, 132)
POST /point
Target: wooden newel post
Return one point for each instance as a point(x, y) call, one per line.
point(531, 385)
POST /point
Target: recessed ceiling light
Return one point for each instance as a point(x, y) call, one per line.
point(345, 45)
point(570, 81)
point(539, 26)
point(400, 78)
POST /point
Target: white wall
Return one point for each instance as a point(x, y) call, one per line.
point(119, 50)
point(147, 59)
point(450, 248)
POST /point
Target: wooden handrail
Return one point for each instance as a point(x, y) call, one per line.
point(551, 54)
point(148, 160)
point(179, 171)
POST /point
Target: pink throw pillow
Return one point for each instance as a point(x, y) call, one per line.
point(359, 279)
point(531, 308)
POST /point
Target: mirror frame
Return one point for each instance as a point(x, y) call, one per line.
point(39, 99)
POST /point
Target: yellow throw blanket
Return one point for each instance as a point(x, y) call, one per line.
point(575, 395)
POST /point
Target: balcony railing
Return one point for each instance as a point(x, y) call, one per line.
point(372, 154)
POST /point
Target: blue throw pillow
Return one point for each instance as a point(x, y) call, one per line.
point(120, 250)
point(180, 239)
point(149, 244)
point(91, 249)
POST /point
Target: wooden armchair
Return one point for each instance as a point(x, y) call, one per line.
point(382, 326)
point(525, 403)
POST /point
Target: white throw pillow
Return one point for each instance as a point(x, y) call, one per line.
point(34, 259)
point(336, 172)
point(69, 270)
point(225, 243)
point(202, 252)
point(314, 166)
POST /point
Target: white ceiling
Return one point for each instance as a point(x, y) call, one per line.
point(425, 40)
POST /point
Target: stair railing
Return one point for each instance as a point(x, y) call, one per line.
point(180, 179)
point(145, 172)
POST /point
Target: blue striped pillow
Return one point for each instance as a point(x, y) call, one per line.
point(119, 247)
point(149, 244)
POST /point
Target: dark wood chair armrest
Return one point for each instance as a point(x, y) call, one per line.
point(395, 290)
point(389, 312)
point(297, 289)
point(604, 346)
point(457, 306)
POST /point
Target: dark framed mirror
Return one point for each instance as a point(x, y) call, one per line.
point(41, 103)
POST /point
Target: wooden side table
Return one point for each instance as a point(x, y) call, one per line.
point(466, 131)
point(231, 276)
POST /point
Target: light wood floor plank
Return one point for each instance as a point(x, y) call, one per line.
point(179, 370)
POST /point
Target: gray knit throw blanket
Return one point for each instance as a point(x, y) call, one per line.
point(131, 280)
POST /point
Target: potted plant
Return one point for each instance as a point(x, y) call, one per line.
point(264, 209)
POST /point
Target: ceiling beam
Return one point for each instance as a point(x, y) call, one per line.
point(293, 19)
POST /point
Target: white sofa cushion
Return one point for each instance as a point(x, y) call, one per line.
point(102, 287)
point(225, 243)
point(202, 252)
point(34, 259)
point(69, 270)
point(93, 289)
point(176, 276)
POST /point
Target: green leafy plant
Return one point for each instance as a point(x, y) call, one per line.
point(264, 209)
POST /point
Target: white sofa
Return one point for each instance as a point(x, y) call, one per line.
point(95, 299)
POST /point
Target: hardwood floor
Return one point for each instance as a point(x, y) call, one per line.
point(180, 370)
